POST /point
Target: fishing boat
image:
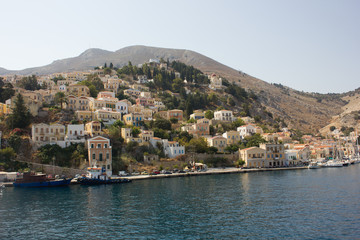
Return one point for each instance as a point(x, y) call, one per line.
point(97, 176)
point(313, 165)
point(31, 179)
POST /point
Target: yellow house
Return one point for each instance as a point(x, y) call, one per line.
point(85, 115)
point(3, 109)
point(78, 90)
point(133, 119)
point(253, 157)
point(107, 116)
point(275, 154)
point(77, 103)
point(99, 153)
point(218, 141)
point(232, 137)
point(93, 128)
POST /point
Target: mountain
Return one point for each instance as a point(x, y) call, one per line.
point(349, 116)
point(306, 111)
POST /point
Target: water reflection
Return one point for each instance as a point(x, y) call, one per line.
point(283, 204)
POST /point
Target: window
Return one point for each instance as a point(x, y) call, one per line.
point(100, 156)
point(93, 156)
point(36, 130)
point(99, 145)
point(105, 145)
point(92, 145)
point(107, 156)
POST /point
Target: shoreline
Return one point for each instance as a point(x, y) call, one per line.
point(210, 171)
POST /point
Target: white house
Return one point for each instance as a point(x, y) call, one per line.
point(224, 115)
point(122, 107)
point(172, 149)
point(75, 134)
point(75, 131)
point(246, 130)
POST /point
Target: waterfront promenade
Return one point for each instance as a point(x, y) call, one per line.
point(211, 171)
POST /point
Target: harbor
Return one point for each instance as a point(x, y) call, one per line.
point(274, 204)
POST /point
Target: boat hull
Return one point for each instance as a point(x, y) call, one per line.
point(55, 183)
point(94, 181)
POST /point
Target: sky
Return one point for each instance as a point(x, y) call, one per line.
point(308, 45)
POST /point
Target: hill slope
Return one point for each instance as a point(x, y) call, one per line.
point(307, 112)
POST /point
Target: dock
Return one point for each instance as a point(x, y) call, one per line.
point(211, 171)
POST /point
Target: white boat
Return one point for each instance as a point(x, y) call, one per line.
point(314, 165)
point(346, 162)
point(332, 163)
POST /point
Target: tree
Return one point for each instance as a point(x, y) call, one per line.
point(238, 122)
point(20, 117)
point(29, 83)
point(107, 70)
point(60, 98)
point(135, 131)
point(162, 124)
point(212, 150)
point(6, 91)
point(174, 120)
point(15, 142)
point(240, 163)
point(199, 145)
point(254, 141)
point(231, 101)
point(232, 148)
point(209, 114)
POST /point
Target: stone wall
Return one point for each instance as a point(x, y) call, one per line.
point(202, 156)
point(55, 170)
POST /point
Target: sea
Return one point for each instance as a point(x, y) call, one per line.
point(293, 204)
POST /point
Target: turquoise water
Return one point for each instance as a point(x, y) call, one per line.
point(301, 204)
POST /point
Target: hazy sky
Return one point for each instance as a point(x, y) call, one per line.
point(310, 45)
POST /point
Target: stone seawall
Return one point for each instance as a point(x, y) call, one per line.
point(55, 170)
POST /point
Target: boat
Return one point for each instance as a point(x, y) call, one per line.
point(97, 176)
point(31, 179)
point(346, 163)
point(332, 163)
point(314, 165)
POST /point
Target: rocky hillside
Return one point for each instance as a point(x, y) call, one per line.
point(349, 116)
point(308, 112)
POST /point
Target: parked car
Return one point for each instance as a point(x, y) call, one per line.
point(165, 172)
point(156, 172)
point(144, 173)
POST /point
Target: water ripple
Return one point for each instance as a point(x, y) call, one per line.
point(321, 204)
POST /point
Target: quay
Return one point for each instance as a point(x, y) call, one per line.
point(210, 171)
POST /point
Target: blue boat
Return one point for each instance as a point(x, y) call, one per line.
point(30, 179)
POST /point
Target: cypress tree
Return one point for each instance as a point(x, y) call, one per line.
point(20, 117)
